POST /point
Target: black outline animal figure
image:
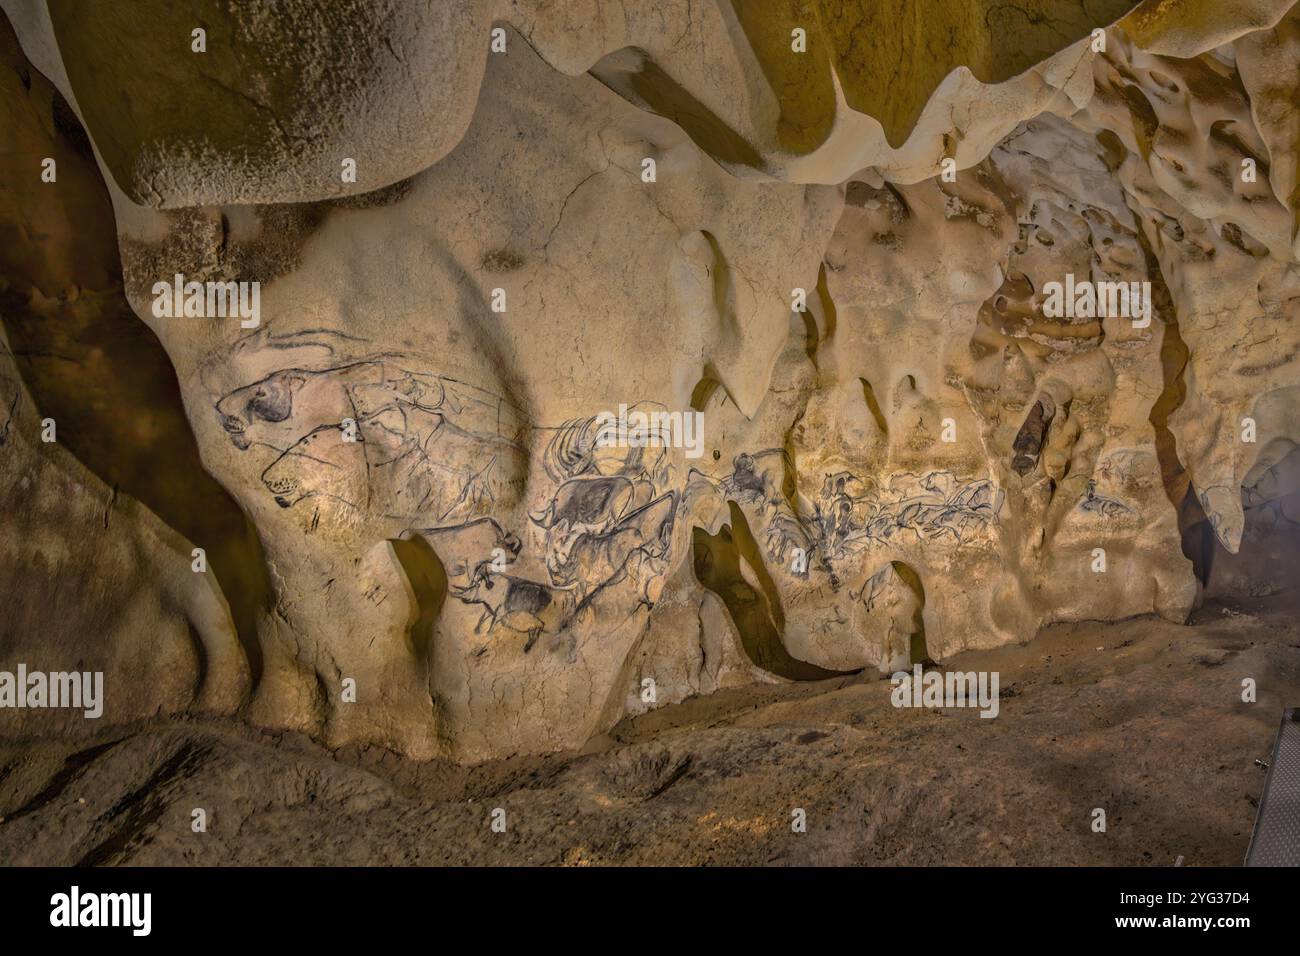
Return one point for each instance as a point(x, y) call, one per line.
point(524, 606)
point(467, 550)
point(597, 562)
point(587, 507)
point(1103, 505)
point(785, 531)
point(582, 447)
point(947, 506)
point(851, 514)
point(636, 547)
point(759, 479)
point(432, 447)
point(282, 406)
point(321, 463)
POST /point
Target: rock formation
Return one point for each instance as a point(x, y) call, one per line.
point(603, 355)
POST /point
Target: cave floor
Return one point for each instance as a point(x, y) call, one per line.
point(1141, 718)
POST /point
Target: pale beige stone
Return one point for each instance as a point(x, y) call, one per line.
point(903, 457)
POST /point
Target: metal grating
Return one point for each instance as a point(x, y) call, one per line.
point(1276, 840)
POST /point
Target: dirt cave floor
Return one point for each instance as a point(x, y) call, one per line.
point(1141, 718)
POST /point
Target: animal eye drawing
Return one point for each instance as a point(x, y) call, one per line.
point(435, 456)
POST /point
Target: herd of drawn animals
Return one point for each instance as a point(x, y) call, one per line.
point(435, 453)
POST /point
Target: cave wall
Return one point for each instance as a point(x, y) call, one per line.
point(844, 269)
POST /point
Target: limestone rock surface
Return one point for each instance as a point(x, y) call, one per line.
point(829, 249)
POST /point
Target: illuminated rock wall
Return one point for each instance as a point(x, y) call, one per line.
point(593, 358)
